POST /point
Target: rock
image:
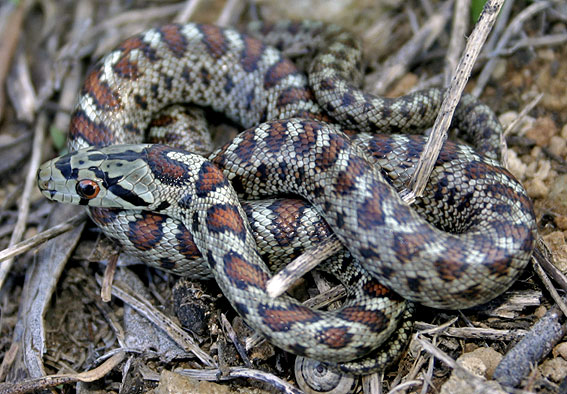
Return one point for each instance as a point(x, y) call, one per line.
point(554, 369)
point(171, 382)
point(557, 145)
point(480, 362)
point(560, 350)
point(561, 222)
point(516, 166)
point(542, 131)
point(488, 356)
point(536, 188)
point(556, 243)
point(558, 192)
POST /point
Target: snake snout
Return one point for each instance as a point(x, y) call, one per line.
point(52, 188)
point(45, 181)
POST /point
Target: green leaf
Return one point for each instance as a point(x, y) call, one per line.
point(58, 137)
point(476, 9)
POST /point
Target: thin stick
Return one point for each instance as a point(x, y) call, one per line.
point(239, 372)
point(512, 29)
point(472, 332)
point(187, 13)
point(30, 183)
point(453, 95)
point(477, 383)
point(461, 17)
point(397, 64)
point(230, 12)
point(10, 37)
point(549, 286)
point(302, 265)
point(139, 16)
point(500, 25)
point(44, 236)
point(227, 327)
point(542, 255)
point(532, 42)
point(531, 105)
point(44, 382)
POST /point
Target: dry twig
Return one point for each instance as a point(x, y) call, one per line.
point(443, 121)
point(519, 361)
point(42, 237)
point(397, 64)
point(510, 31)
point(10, 37)
point(49, 381)
point(284, 279)
point(239, 372)
point(30, 183)
point(457, 39)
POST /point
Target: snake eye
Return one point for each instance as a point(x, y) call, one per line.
point(87, 189)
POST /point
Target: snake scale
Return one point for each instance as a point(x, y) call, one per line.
point(182, 212)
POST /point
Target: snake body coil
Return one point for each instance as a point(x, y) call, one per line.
point(482, 224)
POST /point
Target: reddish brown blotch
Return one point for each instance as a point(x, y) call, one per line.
point(243, 273)
point(147, 231)
point(174, 40)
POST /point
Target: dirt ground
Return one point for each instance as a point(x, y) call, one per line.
point(52, 318)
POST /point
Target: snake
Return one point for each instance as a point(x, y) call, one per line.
point(461, 244)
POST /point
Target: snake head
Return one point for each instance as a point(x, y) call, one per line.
point(98, 177)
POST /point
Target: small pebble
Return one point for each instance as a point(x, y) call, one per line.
point(557, 145)
point(558, 192)
point(543, 129)
point(481, 362)
point(556, 243)
point(554, 369)
point(516, 166)
point(561, 222)
point(560, 350)
point(536, 188)
point(540, 311)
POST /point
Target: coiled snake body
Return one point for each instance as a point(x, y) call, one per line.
point(175, 206)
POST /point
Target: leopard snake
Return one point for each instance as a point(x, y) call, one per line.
point(462, 244)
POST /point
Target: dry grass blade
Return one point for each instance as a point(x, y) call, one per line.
point(49, 381)
point(461, 16)
point(185, 15)
point(472, 332)
point(543, 256)
point(284, 279)
point(398, 64)
point(549, 286)
point(512, 29)
point(533, 42)
point(527, 109)
point(42, 237)
point(234, 338)
point(238, 372)
point(10, 37)
point(30, 183)
point(443, 121)
point(230, 12)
